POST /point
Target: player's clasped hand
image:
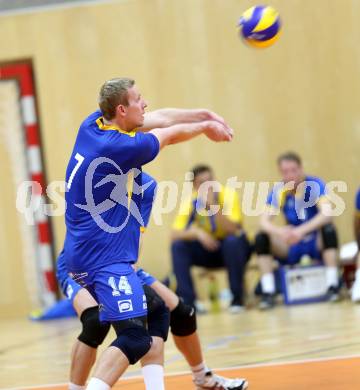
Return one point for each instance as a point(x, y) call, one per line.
point(207, 241)
point(290, 235)
point(218, 132)
point(284, 233)
point(213, 116)
point(295, 236)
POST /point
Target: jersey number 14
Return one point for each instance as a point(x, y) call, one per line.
point(123, 286)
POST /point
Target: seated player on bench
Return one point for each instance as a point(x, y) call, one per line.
point(308, 231)
point(210, 241)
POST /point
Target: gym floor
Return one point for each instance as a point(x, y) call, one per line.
point(287, 348)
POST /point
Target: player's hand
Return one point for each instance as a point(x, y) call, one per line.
point(218, 132)
point(284, 233)
point(213, 116)
point(295, 235)
point(207, 241)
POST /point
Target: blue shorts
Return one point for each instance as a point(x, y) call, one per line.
point(117, 289)
point(308, 246)
point(70, 288)
point(145, 277)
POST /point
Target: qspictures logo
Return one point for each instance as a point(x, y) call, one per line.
point(256, 197)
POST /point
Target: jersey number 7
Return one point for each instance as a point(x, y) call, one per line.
point(80, 159)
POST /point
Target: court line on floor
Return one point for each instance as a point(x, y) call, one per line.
point(289, 362)
point(284, 358)
point(180, 373)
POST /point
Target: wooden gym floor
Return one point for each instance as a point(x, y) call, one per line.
point(284, 349)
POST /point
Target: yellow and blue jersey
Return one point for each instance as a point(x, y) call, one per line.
point(298, 208)
point(104, 193)
point(192, 212)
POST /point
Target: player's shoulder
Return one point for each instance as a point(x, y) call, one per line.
point(95, 121)
point(314, 179)
point(277, 189)
point(227, 191)
point(277, 194)
point(91, 120)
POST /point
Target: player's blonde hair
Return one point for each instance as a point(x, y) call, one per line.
point(289, 156)
point(112, 93)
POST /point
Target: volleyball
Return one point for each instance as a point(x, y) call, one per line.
point(260, 26)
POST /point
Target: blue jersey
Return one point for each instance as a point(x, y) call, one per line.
point(298, 208)
point(357, 201)
point(149, 191)
point(68, 286)
point(104, 192)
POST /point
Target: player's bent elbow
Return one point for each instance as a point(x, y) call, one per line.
point(162, 136)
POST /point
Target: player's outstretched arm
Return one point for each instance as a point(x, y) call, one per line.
point(167, 117)
point(214, 130)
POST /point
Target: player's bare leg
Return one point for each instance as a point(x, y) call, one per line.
point(266, 251)
point(82, 356)
point(132, 343)
point(111, 365)
point(330, 257)
point(190, 348)
point(82, 360)
point(153, 365)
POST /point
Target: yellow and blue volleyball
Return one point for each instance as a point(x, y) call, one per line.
point(260, 26)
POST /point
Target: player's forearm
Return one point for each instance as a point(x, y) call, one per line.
point(179, 133)
point(177, 115)
point(167, 117)
point(184, 132)
point(315, 223)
